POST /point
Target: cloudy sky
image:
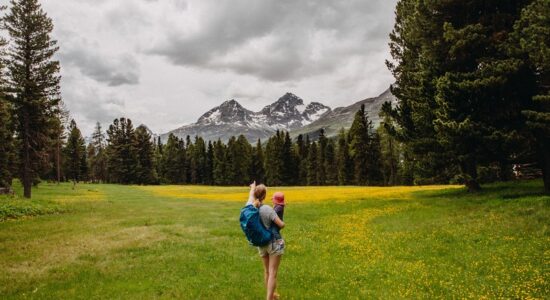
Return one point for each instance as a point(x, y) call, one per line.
point(165, 62)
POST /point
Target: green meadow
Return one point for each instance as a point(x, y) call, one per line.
point(184, 242)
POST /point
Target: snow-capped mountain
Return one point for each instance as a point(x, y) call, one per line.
point(290, 112)
point(287, 113)
point(232, 119)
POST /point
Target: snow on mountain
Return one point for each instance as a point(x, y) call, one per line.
point(229, 112)
point(231, 118)
point(287, 113)
point(313, 112)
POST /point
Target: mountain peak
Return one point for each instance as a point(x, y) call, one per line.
point(291, 99)
point(229, 111)
point(231, 103)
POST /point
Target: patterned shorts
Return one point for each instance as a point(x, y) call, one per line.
point(274, 248)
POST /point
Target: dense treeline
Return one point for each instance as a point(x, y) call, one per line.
point(129, 156)
point(473, 87)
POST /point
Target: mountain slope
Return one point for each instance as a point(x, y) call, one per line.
point(342, 117)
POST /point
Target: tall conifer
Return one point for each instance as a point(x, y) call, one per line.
point(258, 163)
point(312, 165)
point(145, 172)
point(532, 34)
point(343, 160)
point(75, 154)
point(34, 82)
point(121, 152)
point(359, 142)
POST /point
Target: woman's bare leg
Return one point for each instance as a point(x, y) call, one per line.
point(274, 262)
point(265, 260)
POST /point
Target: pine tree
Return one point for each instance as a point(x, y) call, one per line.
point(321, 152)
point(415, 69)
point(389, 148)
point(344, 162)
point(98, 159)
point(184, 163)
point(302, 148)
point(75, 154)
point(189, 163)
point(171, 161)
point(312, 165)
point(231, 161)
point(158, 159)
point(7, 147)
point(244, 161)
point(374, 160)
point(258, 162)
point(90, 157)
point(532, 34)
point(359, 142)
point(330, 165)
point(219, 166)
point(209, 165)
point(288, 161)
point(121, 152)
point(145, 167)
point(197, 155)
point(59, 136)
point(33, 81)
point(274, 161)
point(7, 155)
point(483, 89)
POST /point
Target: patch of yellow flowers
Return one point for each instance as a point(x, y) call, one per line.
point(292, 194)
point(80, 194)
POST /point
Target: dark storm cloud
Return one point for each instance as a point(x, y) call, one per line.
point(277, 40)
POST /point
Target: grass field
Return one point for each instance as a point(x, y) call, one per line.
point(129, 242)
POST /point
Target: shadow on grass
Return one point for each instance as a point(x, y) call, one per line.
point(501, 190)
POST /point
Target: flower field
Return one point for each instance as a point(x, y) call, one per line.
point(184, 242)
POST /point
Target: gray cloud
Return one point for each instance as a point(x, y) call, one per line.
point(114, 70)
point(166, 62)
point(277, 40)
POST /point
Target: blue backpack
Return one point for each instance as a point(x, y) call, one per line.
point(253, 228)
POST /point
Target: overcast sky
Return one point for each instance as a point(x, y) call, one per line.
point(165, 62)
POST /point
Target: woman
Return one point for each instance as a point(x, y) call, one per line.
point(272, 252)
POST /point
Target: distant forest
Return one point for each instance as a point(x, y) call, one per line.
point(473, 90)
point(360, 156)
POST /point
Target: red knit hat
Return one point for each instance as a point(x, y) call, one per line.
point(279, 198)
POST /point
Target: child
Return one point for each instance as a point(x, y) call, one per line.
point(279, 208)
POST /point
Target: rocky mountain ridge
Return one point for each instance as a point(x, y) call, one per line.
point(289, 113)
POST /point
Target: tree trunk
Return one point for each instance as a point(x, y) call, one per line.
point(544, 157)
point(504, 171)
point(393, 168)
point(469, 169)
point(27, 177)
point(58, 160)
